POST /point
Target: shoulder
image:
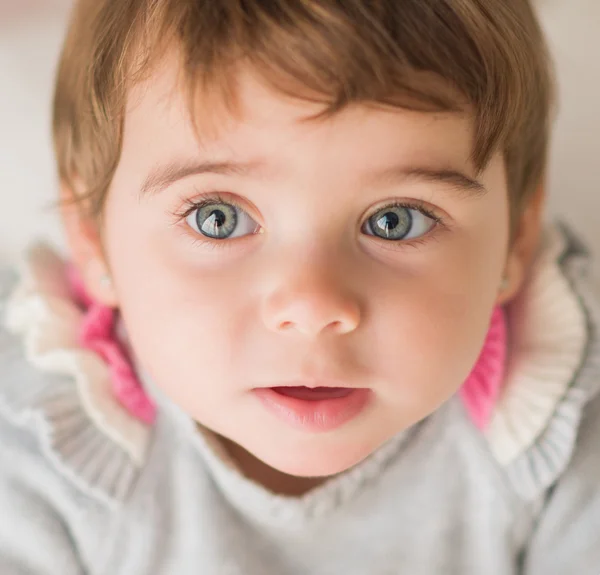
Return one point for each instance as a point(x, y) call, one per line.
point(567, 534)
point(55, 401)
point(553, 371)
point(40, 512)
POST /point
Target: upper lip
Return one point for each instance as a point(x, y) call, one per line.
point(314, 383)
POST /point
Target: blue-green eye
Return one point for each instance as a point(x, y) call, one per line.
point(397, 222)
point(220, 221)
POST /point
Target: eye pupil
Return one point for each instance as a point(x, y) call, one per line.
point(217, 218)
point(389, 221)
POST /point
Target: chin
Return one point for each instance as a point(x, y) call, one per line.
point(317, 460)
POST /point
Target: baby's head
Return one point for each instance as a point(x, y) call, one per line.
point(304, 192)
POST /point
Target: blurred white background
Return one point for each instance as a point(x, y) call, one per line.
point(30, 37)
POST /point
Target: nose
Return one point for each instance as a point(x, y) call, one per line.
point(311, 298)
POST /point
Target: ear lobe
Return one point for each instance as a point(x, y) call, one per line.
point(514, 278)
point(523, 246)
point(85, 245)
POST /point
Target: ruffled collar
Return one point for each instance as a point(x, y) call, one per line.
point(546, 329)
point(548, 338)
point(73, 405)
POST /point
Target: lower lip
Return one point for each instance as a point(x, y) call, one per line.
point(324, 412)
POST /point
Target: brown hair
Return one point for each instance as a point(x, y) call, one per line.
point(491, 52)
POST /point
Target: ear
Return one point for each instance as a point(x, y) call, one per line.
point(523, 246)
point(85, 244)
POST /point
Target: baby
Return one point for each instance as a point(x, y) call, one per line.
point(311, 321)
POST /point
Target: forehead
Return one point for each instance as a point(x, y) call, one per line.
point(267, 123)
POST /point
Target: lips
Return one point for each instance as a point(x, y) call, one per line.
point(314, 409)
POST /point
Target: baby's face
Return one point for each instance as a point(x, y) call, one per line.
point(353, 252)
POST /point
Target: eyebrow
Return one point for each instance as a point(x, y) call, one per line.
point(164, 176)
point(456, 179)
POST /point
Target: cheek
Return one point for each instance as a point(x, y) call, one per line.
point(186, 335)
point(425, 345)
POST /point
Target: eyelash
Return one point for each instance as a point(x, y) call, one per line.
point(215, 197)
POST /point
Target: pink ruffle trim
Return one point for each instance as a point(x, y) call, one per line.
point(98, 333)
point(481, 390)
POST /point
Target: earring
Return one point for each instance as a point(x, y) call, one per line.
point(105, 280)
